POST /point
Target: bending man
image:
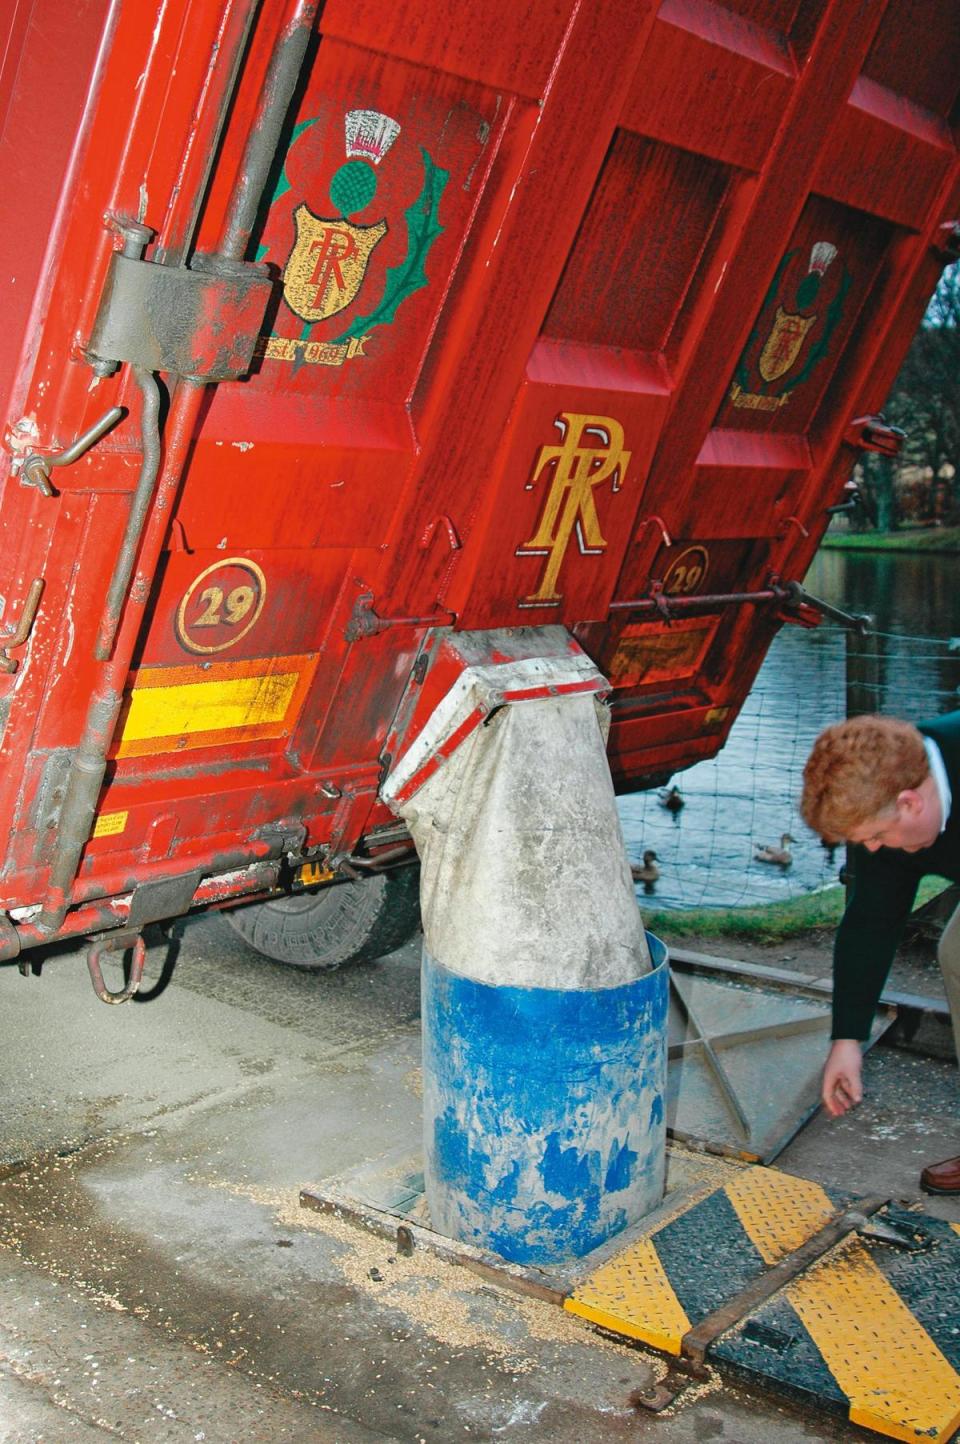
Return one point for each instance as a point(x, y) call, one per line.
point(888, 787)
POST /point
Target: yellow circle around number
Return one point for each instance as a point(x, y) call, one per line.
point(261, 583)
point(684, 577)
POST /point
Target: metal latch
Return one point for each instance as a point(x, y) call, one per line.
point(798, 596)
point(16, 636)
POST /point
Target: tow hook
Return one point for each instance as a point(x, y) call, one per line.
point(117, 942)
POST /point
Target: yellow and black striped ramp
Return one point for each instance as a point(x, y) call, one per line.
point(871, 1329)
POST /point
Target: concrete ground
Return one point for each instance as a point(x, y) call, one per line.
point(159, 1281)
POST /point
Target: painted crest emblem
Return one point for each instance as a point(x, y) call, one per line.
point(783, 345)
point(326, 267)
point(328, 263)
point(792, 332)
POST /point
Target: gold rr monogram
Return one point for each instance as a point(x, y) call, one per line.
point(570, 506)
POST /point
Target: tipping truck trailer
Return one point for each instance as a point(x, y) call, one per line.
point(350, 346)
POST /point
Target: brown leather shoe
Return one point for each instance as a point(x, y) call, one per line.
point(941, 1177)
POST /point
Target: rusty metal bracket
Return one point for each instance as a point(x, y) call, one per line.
point(950, 241)
point(874, 433)
point(36, 469)
point(117, 942)
point(364, 621)
point(202, 322)
point(16, 636)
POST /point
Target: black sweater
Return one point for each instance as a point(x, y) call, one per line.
point(885, 885)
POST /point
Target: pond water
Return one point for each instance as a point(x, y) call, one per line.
point(748, 795)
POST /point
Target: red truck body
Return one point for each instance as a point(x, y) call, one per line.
point(568, 313)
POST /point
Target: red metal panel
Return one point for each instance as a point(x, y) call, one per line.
point(509, 47)
point(35, 159)
point(572, 308)
point(703, 63)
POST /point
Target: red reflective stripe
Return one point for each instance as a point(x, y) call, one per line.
point(457, 736)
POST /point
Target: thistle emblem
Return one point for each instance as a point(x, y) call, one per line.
point(796, 321)
point(329, 259)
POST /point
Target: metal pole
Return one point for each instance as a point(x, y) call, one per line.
point(261, 149)
point(864, 650)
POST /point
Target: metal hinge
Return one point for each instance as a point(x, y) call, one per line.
point(201, 321)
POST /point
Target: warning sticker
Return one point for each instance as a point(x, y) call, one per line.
point(110, 824)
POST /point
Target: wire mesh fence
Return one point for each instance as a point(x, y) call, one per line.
point(746, 799)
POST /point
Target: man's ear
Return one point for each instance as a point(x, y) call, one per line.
point(910, 801)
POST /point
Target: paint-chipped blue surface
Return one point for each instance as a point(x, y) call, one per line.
point(543, 1111)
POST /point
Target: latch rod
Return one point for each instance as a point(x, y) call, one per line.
point(796, 595)
point(139, 508)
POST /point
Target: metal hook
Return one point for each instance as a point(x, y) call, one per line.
point(16, 636)
point(36, 469)
point(117, 942)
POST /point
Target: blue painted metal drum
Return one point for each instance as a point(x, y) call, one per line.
point(544, 1130)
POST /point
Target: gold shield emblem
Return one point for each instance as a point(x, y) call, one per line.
point(326, 267)
point(783, 345)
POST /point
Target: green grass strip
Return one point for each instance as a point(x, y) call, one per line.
point(932, 539)
point(769, 923)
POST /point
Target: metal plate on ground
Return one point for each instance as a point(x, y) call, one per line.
point(744, 1063)
point(874, 1327)
point(388, 1193)
point(868, 1327)
point(871, 1328)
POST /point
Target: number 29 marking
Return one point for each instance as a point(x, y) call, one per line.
point(687, 573)
point(217, 615)
point(239, 602)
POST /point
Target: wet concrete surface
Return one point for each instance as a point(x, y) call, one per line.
point(159, 1281)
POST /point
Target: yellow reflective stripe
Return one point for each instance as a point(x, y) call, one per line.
point(897, 1380)
point(208, 706)
point(778, 1212)
point(631, 1295)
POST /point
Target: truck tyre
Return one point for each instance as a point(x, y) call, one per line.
point(348, 922)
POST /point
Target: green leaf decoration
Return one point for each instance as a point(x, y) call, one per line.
point(742, 374)
point(283, 181)
point(834, 311)
point(423, 228)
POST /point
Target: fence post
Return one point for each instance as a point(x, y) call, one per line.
point(864, 652)
point(863, 671)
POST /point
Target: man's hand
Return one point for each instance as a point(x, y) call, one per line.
point(842, 1086)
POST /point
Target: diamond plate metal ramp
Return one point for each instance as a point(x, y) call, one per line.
point(853, 1305)
point(727, 1038)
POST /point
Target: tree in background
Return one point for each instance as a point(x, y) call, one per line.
point(925, 401)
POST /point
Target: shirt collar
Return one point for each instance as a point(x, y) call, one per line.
point(939, 774)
